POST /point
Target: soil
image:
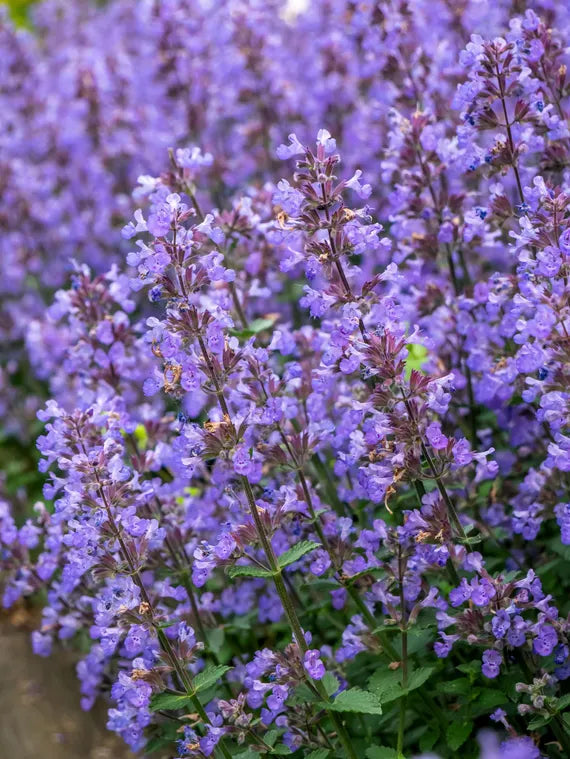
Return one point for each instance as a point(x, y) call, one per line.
point(40, 714)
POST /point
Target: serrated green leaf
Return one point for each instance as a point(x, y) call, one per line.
point(248, 571)
point(419, 676)
point(320, 753)
point(248, 754)
point(281, 750)
point(169, 701)
point(209, 676)
point(271, 736)
point(418, 639)
point(297, 552)
point(471, 668)
point(539, 721)
point(457, 733)
point(563, 702)
point(331, 683)
point(386, 685)
point(381, 752)
point(303, 694)
point(387, 628)
point(356, 700)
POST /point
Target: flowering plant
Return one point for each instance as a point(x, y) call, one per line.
point(305, 443)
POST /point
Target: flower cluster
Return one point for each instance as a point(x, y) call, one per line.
point(304, 405)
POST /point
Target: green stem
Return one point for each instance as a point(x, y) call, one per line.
point(404, 632)
point(454, 517)
point(328, 485)
point(276, 571)
point(291, 615)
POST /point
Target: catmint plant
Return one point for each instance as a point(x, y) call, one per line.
point(285, 306)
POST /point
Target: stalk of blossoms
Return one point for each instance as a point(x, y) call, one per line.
point(495, 76)
point(180, 181)
point(179, 272)
point(317, 524)
point(418, 123)
point(404, 636)
point(329, 242)
point(320, 195)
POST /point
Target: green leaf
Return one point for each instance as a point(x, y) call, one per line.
point(141, 436)
point(258, 325)
point(386, 685)
point(457, 733)
point(415, 359)
point(216, 638)
point(563, 702)
point(271, 736)
point(488, 699)
point(381, 752)
point(418, 677)
point(254, 327)
point(429, 738)
point(418, 639)
point(248, 754)
point(331, 683)
point(459, 687)
point(539, 721)
point(471, 541)
point(169, 701)
point(297, 552)
point(320, 753)
point(281, 750)
point(562, 550)
point(249, 571)
point(356, 700)
point(303, 694)
point(471, 668)
point(209, 676)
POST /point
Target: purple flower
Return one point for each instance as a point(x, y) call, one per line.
point(500, 624)
point(294, 148)
point(313, 664)
point(492, 661)
point(460, 595)
point(545, 640)
point(277, 698)
point(435, 436)
point(320, 563)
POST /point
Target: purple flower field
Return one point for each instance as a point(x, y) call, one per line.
point(285, 378)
